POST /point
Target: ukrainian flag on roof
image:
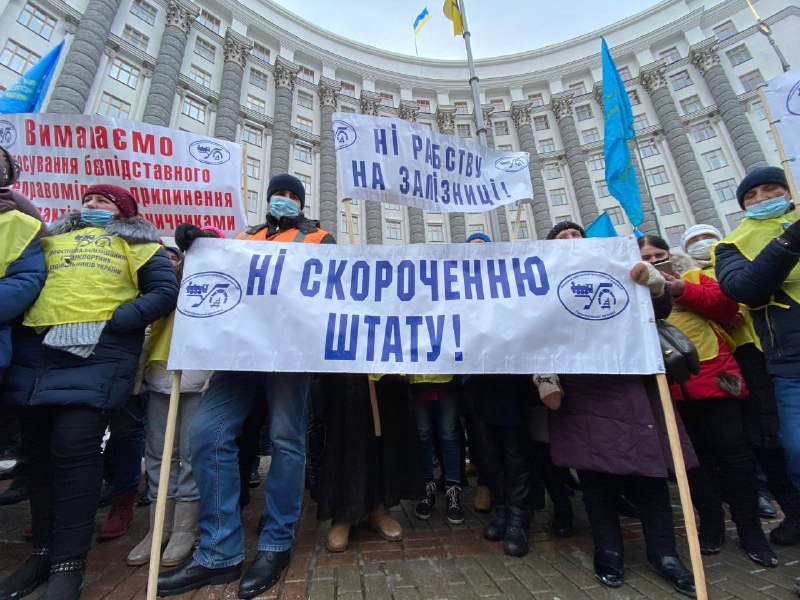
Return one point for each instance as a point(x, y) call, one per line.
point(421, 19)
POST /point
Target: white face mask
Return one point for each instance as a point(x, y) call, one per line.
point(701, 249)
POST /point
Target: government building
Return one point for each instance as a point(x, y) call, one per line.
point(250, 71)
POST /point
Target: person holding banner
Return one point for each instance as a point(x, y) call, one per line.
point(230, 398)
point(75, 359)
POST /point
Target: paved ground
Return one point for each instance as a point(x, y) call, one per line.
point(435, 560)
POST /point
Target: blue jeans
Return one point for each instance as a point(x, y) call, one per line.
point(445, 411)
point(787, 393)
point(215, 427)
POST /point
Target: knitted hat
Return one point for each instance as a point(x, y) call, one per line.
point(760, 176)
point(479, 236)
point(285, 181)
point(212, 229)
point(9, 169)
point(118, 195)
point(699, 229)
point(563, 226)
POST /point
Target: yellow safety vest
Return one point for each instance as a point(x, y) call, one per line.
point(745, 333)
point(90, 273)
point(431, 378)
point(160, 339)
point(17, 231)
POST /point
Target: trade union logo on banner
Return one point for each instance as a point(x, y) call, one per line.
point(511, 164)
point(344, 134)
point(8, 134)
point(593, 295)
point(209, 152)
point(793, 100)
point(208, 294)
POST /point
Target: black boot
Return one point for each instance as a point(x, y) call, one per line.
point(754, 543)
point(675, 572)
point(496, 530)
point(31, 574)
point(515, 542)
point(454, 515)
point(425, 507)
point(66, 580)
point(191, 575)
point(263, 573)
point(608, 567)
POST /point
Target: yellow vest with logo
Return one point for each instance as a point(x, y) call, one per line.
point(742, 334)
point(17, 231)
point(90, 273)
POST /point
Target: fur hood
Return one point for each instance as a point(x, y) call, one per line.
point(136, 230)
point(683, 262)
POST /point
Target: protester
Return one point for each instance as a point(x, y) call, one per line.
point(611, 428)
point(75, 359)
point(229, 399)
point(710, 405)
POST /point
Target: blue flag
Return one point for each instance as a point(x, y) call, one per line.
point(601, 227)
point(618, 116)
point(28, 93)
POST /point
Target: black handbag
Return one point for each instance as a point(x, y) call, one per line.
point(681, 360)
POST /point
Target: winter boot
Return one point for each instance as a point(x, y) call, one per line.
point(66, 580)
point(425, 507)
point(183, 534)
point(338, 536)
point(515, 542)
point(483, 499)
point(455, 516)
point(496, 530)
point(385, 524)
point(30, 575)
point(120, 517)
point(140, 555)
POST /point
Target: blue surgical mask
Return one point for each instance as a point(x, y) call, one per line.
point(701, 249)
point(96, 217)
point(768, 209)
point(280, 207)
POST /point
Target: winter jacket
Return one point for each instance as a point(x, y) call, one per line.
point(41, 375)
point(287, 229)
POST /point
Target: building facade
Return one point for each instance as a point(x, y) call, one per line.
point(252, 72)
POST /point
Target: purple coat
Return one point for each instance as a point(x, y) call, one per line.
point(614, 424)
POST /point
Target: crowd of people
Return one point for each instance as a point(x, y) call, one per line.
point(85, 326)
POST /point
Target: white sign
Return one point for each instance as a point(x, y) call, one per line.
point(395, 161)
point(566, 306)
point(175, 176)
point(783, 97)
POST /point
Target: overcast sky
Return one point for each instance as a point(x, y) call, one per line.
point(497, 26)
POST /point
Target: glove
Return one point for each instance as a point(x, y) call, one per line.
point(791, 237)
point(186, 234)
point(550, 390)
point(644, 273)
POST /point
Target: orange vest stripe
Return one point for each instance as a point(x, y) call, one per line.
point(289, 235)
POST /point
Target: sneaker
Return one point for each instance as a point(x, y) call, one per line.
point(425, 507)
point(455, 515)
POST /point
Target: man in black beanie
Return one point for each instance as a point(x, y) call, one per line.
point(757, 265)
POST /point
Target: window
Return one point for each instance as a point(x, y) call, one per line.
point(144, 11)
point(252, 201)
point(616, 214)
point(725, 30)
point(424, 106)
point(304, 124)
point(505, 147)
point(197, 75)
point(536, 99)
point(393, 230)
point(208, 20)
point(302, 153)
point(590, 135)
point(558, 197)
point(562, 218)
point(691, 104)
point(306, 74)
point(583, 112)
point(771, 139)
point(251, 135)
point(498, 103)
point(306, 179)
point(135, 38)
point(386, 99)
point(435, 232)
point(464, 130)
point(260, 52)
point(674, 235)
point(633, 96)
point(702, 131)
point(194, 109)
point(205, 49)
point(461, 108)
point(596, 162)
point(578, 88)
point(113, 107)
point(124, 72)
point(602, 188)
point(501, 128)
point(258, 105)
point(648, 148)
point(725, 190)
point(476, 228)
point(670, 55)
point(667, 205)
point(680, 80)
point(355, 223)
point(305, 99)
point(348, 89)
point(547, 145)
point(541, 123)
point(258, 78)
point(750, 81)
point(734, 219)
point(738, 55)
point(758, 110)
point(18, 58)
point(625, 73)
point(39, 22)
point(346, 109)
point(640, 122)
point(389, 206)
point(551, 171)
point(715, 159)
point(253, 168)
point(656, 175)
point(522, 232)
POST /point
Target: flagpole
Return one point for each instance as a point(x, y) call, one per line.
point(647, 185)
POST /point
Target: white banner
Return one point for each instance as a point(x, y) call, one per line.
point(395, 161)
point(783, 97)
point(175, 176)
point(565, 306)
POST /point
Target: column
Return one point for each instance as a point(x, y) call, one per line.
point(328, 91)
point(445, 119)
point(166, 72)
point(416, 218)
point(285, 74)
point(373, 211)
point(82, 63)
point(705, 58)
point(561, 104)
point(502, 218)
point(235, 50)
point(654, 81)
point(521, 115)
